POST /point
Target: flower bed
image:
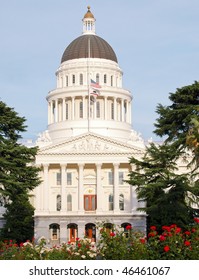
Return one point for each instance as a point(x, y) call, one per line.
point(171, 244)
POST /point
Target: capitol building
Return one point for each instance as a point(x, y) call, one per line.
point(84, 153)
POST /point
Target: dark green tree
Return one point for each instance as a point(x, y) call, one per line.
point(178, 122)
point(172, 197)
point(168, 195)
point(18, 176)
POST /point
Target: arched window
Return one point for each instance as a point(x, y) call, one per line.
point(69, 202)
point(125, 226)
point(58, 202)
point(81, 109)
point(121, 201)
point(73, 232)
point(90, 231)
point(97, 78)
point(54, 231)
point(81, 79)
point(110, 202)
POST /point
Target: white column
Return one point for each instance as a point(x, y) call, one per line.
point(63, 109)
point(46, 188)
point(116, 188)
point(38, 193)
point(130, 120)
point(105, 108)
point(81, 188)
point(134, 200)
point(122, 109)
point(73, 108)
point(63, 188)
point(84, 107)
point(56, 110)
point(99, 188)
point(115, 109)
point(51, 112)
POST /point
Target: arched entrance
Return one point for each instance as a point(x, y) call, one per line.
point(72, 232)
point(90, 231)
point(54, 232)
point(124, 225)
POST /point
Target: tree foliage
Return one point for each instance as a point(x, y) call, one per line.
point(179, 121)
point(167, 194)
point(18, 175)
point(170, 195)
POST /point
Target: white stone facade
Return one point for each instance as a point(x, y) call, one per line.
point(85, 156)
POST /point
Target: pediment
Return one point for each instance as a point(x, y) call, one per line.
point(90, 144)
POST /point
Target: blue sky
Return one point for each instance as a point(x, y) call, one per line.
point(156, 43)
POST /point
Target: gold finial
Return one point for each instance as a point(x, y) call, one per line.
point(88, 14)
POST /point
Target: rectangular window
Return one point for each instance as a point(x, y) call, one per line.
point(69, 178)
point(81, 109)
point(111, 80)
point(121, 178)
point(67, 81)
point(105, 79)
point(73, 79)
point(98, 109)
point(81, 79)
point(110, 177)
point(66, 111)
point(112, 111)
point(58, 178)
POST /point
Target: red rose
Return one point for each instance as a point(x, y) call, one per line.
point(187, 243)
point(142, 240)
point(166, 228)
point(196, 220)
point(166, 248)
point(79, 245)
point(187, 232)
point(178, 230)
point(173, 226)
point(112, 234)
point(128, 227)
point(162, 237)
point(153, 228)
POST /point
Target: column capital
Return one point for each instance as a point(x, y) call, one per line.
point(81, 165)
point(116, 164)
point(63, 165)
point(98, 165)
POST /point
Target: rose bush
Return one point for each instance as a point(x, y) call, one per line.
point(113, 244)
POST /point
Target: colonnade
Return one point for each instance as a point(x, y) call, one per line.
point(43, 192)
point(76, 108)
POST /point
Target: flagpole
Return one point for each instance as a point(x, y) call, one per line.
point(88, 81)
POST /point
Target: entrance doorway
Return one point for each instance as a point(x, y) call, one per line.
point(90, 232)
point(73, 233)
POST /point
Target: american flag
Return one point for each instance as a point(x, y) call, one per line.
point(94, 88)
point(95, 85)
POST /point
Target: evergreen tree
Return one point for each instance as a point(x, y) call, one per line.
point(168, 196)
point(18, 176)
point(172, 197)
point(179, 120)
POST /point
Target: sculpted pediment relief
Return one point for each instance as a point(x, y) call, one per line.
point(89, 143)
